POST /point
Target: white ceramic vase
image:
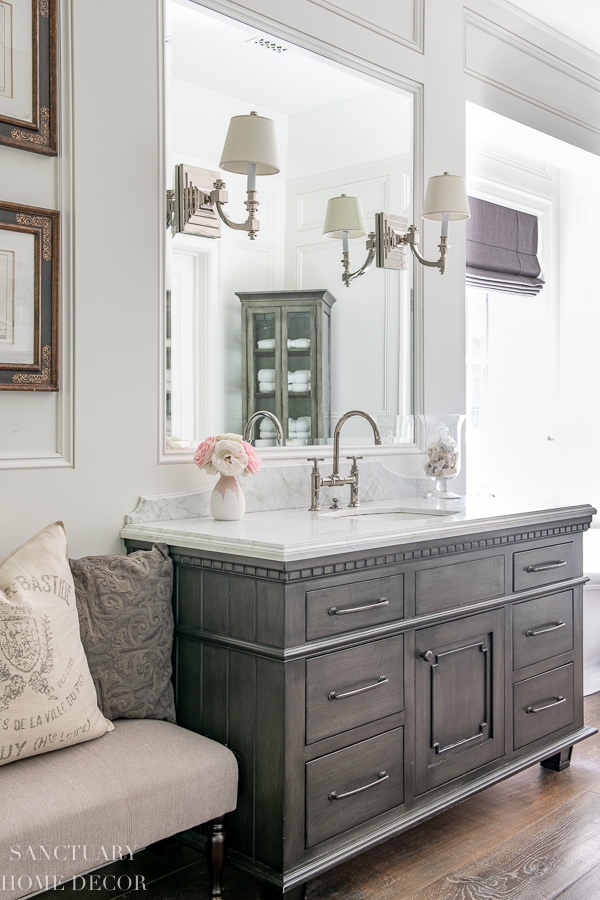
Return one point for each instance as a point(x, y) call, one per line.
point(227, 502)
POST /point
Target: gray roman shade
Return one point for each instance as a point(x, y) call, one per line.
point(502, 249)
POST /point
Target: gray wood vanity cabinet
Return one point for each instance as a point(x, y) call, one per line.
point(365, 691)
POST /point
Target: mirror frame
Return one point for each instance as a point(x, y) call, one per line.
point(336, 54)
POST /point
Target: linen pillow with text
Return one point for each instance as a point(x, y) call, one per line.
point(47, 696)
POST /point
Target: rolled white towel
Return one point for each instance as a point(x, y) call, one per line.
point(302, 429)
point(266, 375)
point(298, 388)
point(292, 424)
point(298, 343)
point(302, 376)
point(266, 387)
point(267, 427)
point(304, 420)
point(290, 377)
point(266, 344)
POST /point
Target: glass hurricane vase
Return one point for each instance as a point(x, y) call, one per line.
point(442, 453)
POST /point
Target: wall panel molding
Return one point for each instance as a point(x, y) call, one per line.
point(63, 454)
point(516, 160)
point(500, 58)
point(411, 9)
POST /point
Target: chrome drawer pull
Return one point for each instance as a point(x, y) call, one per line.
point(545, 630)
point(333, 695)
point(557, 702)
point(334, 611)
point(383, 776)
point(545, 566)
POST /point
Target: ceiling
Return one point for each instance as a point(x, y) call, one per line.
point(577, 19)
point(228, 57)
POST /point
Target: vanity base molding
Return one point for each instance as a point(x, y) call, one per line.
point(365, 693)
point(297, 879)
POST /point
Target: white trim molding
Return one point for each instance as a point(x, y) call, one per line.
point(63, 454)
point(505, 60)
point(414, 42)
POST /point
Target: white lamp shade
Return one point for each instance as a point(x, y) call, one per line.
point(344, 214)
point(446, 194)
point(250, 139)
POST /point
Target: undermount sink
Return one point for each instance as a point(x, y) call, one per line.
point(392, 512)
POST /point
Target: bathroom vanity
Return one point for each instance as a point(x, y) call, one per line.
point(370, 669)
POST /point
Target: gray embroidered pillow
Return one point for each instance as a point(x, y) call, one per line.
point(126, 623)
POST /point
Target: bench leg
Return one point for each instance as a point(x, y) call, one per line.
point(215, 855)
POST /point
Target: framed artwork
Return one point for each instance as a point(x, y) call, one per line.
point(28, 75)
point(29, 298)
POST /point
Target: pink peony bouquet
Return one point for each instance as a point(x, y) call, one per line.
point(227, 454)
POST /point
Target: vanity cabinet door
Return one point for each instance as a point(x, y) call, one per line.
point(459, 698)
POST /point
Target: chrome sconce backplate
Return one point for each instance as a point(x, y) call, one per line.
point(390, 241)
point(193, 211)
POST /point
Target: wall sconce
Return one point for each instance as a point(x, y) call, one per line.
point(250, 149)
point(446, 200)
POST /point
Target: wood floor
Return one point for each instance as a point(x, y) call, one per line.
point(535, 836)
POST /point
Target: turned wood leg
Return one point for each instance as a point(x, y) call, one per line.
point(559, 761)
point(268, 892)
point(215, 855)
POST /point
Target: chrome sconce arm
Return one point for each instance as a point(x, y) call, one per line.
point(349, 276)
point(412, 239)
point(218, 196)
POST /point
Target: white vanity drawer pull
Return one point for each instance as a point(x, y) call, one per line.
point(383, 776)
point(557, 702)
point(558, 625)
point(333, 695)
point(334, 611)
point(543, 567)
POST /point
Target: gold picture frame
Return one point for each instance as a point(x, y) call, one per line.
point(29, 298)
point(29, 82)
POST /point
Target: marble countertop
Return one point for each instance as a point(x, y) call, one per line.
point(295, 534)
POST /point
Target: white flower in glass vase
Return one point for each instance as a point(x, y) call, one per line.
point(229, 456)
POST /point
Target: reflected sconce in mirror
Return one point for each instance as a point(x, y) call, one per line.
point(446, 200)
point(196, 204)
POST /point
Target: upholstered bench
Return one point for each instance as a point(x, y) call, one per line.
point(92, 764)
point(106, 798)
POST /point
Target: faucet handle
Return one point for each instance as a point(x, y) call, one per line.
point(354, 468)
point(315, 460)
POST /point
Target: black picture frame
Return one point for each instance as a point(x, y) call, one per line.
point(41, 134)
point(42, 374)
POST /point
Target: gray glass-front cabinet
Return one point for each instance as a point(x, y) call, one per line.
point(286, 353)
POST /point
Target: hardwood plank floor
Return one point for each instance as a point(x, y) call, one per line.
point(535, 836)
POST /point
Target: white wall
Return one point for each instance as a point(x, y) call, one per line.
point(117, 227)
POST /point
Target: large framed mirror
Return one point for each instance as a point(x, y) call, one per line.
point(269, 323)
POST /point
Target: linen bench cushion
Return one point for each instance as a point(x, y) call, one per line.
point(141, 783)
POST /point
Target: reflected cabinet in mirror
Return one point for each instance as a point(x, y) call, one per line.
point(258, 314)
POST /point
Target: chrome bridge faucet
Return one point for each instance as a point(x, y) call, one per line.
point(335, 479)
